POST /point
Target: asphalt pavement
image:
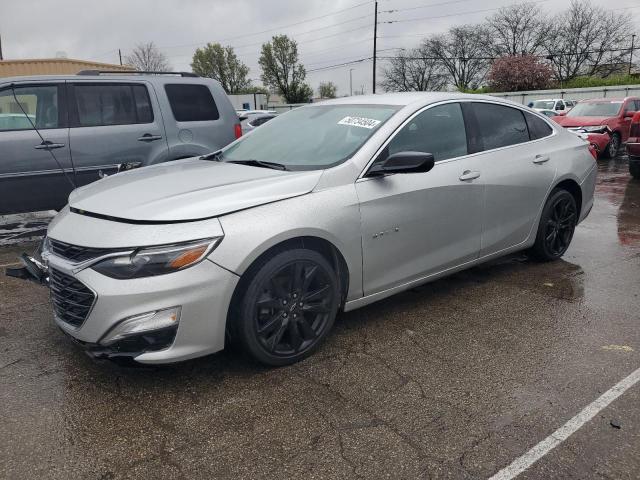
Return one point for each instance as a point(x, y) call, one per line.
point(456, 379)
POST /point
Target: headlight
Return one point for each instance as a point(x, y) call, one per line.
point(151, 261)
point(595, 129)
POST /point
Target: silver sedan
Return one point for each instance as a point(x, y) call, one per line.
point(329, 207)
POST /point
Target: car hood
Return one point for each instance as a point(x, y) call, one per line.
point(186, 190)
point(581, 121)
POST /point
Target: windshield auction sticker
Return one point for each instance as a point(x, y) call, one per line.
point(360, 122)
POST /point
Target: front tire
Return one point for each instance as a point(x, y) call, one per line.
point(288, 307)
point(613, 146)
point(557, 224)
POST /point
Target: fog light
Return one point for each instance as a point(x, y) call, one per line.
point(145, 322)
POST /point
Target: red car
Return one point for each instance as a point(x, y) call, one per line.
point(633, 146)
point(602, 116)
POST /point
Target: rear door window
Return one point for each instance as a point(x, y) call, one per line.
point(191, 103)
point(111, 104)
point(500, 125)
point(538, 128)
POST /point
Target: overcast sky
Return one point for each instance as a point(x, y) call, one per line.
point(94, 30)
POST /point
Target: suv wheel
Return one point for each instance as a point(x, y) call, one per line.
point(288, 307)
point(556, 227)
point(614, 145)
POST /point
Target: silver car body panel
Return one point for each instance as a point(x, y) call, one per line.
point(185, 189)
point(393, 232)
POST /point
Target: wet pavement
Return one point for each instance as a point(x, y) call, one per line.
point(455, 379)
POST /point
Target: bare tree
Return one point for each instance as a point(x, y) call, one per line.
point(465, 52)
point(590, 41)
point(413, 70)
point(518, 29)
point(148, 58)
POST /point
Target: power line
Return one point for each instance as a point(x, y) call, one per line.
point(328, 67)
point(451, 14)
point(419, 7)
point(277, 28)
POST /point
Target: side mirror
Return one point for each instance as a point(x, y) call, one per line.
point(629, 114)
point(560, 107)
point(403, 162)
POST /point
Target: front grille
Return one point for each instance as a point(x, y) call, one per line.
point(72, 300)
point(75, 253)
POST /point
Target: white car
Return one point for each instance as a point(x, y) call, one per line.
point(554, 104)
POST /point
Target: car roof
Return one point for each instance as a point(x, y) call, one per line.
point(608, 100)
point(403, 99)
point(118, 77)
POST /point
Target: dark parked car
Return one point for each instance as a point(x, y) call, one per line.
point(633, 146)
point(97, 122)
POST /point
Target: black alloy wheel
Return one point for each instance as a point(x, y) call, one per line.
point(557, 224)
point(289, 307)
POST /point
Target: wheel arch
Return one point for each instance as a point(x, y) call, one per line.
point(318, 244)
point(573, 187)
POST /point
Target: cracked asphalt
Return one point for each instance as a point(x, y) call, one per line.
point(455, 379)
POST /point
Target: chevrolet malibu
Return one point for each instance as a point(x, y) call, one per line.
point(329, 207)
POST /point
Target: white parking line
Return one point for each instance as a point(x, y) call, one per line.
point(520, 464)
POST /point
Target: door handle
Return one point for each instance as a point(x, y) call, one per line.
point(147, 137)
point(469, 175)
point(540, 159)
point(47, 145)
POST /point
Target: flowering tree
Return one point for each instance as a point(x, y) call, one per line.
point(519, 72)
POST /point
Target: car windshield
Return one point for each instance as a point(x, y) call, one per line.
point(595, 109)
point(546, 104)
point(311, 138)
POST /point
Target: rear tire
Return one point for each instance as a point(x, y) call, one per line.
point(557, 224)
point(287, 307)
point(634, 169)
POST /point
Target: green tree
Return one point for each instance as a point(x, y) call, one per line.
point(282, 71)
point(327, 90)
point(222, 64)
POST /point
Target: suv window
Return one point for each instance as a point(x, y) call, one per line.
point(191, 103)
point(40, 103)
point(439, 130)
point(538, 128)
point(112, 104)
point(499, 125)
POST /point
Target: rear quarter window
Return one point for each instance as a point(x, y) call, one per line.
point(538, 128)
point(191, 103)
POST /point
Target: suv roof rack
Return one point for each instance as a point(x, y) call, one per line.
point(136, 72)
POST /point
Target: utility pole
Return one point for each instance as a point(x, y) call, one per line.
point(120, 55)
point(350, 82)
point(1, 57)
point(375, 38)
point(633, 37)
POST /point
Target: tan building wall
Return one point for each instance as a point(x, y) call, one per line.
point(52, 66)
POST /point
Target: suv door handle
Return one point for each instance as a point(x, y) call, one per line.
point(540, 159)
point(147, 137)
point(47, 145)
point(469, 175)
